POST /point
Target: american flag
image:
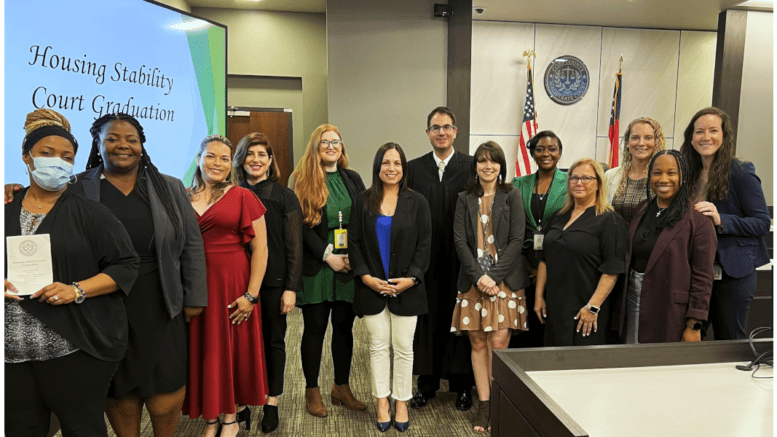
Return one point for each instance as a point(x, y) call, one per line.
point(523, 165)
point(615, 115)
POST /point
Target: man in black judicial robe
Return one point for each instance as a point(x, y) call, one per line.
point(440, 175)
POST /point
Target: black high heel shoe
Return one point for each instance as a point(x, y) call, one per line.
point(244, 416)
point(270, 418)
point(218, 432)
point(384, 426)
point(401, 426)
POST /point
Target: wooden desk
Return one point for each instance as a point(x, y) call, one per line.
point(616, 391)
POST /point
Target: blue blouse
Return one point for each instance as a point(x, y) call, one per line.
point(383, 231)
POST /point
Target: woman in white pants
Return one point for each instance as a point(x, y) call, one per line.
point(389, 248)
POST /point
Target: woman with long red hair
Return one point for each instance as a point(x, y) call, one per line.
point(326, 189)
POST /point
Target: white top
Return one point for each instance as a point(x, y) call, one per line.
point(693, 400)
point(612, 178)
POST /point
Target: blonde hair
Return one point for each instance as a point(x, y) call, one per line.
point(602, 205)
point(658, 135)
point(310, 178)
point(43, 117)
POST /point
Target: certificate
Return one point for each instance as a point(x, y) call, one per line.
point(29, 262)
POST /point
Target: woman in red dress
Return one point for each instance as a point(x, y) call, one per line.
point(226, 354)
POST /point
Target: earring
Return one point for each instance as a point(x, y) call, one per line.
point(476, 177)
point(499, 180)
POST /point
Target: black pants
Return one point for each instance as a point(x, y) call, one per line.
point(274, 334)
point(316, 318)
point(729, 305)
point(73, 387)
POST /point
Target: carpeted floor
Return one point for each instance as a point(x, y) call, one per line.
point(438, 418)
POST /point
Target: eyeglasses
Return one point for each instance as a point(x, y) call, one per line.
point(541, 150)
point(336, 144)
point(586, 179)
point(435, 129)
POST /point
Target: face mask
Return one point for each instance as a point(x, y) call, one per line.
point(51, 174)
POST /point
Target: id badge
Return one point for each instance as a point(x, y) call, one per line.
point(717, 270)
point(341, 238)
point(538, 238)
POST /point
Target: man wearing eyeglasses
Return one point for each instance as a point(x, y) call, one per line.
point(440, 175)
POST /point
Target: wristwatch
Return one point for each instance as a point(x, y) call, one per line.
point(696, 326)
point(251, 298)
point(80, 295)
point(593, 309)
point(415, 280)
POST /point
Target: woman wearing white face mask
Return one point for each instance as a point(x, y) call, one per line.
point(64, 342)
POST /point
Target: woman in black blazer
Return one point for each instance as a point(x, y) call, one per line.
point(389, 251)
point(488, 233)
point(728, 191)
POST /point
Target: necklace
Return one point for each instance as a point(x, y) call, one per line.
point(660, 210)
point(46, 203)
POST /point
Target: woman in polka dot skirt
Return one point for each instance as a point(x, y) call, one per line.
point(488, 232)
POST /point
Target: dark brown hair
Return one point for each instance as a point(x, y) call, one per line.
point(720, 171)
point(375, 192)
point(494, 152)
point(245, 143)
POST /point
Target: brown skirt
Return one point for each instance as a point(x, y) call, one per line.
point(477, 311)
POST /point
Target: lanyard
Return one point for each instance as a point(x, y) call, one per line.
point(542, 200)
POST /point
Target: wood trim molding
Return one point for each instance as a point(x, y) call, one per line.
point(460, 69)
point(729, 60)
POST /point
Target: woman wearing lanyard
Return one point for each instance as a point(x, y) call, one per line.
point(543, 194)
point(326, 188)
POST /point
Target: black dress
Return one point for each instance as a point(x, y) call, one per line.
point(575, 259)
point(156, 359)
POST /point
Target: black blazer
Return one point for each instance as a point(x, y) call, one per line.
point(181, 260)
point(315, 238)
point(745, 219)
point(86, 239)
point(509, 227)
point(411, 242)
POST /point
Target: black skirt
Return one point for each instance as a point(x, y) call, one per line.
point(155, 362)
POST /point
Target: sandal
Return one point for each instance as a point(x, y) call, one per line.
point(483, 416)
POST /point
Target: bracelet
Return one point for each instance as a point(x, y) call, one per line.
point(251, 298)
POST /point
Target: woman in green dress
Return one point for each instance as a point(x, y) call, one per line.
point(326, 188)
point(543, 194)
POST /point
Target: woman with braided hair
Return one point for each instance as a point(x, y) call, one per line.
point(171, 287)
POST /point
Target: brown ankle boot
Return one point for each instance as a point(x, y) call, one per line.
point(341, 395)
point(314, 403)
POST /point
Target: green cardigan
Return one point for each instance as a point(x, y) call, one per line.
point(556, 198)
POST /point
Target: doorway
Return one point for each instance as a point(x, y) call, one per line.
point(273, 122)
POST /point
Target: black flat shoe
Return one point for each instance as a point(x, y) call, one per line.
point(464, 401)
point(421, 399)
point(244, 416)
point(270, 418)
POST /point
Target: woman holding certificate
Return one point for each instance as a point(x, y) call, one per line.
point(63, 343)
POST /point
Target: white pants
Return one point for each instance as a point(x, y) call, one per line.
point(386, 331)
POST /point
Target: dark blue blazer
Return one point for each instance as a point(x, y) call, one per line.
point(745, 219)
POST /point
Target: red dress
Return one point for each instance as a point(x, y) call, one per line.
point(226, 361)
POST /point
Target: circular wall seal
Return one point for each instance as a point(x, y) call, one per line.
point(28, 248)
point(566, 80)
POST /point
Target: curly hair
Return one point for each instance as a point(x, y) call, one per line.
point(658, 134)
